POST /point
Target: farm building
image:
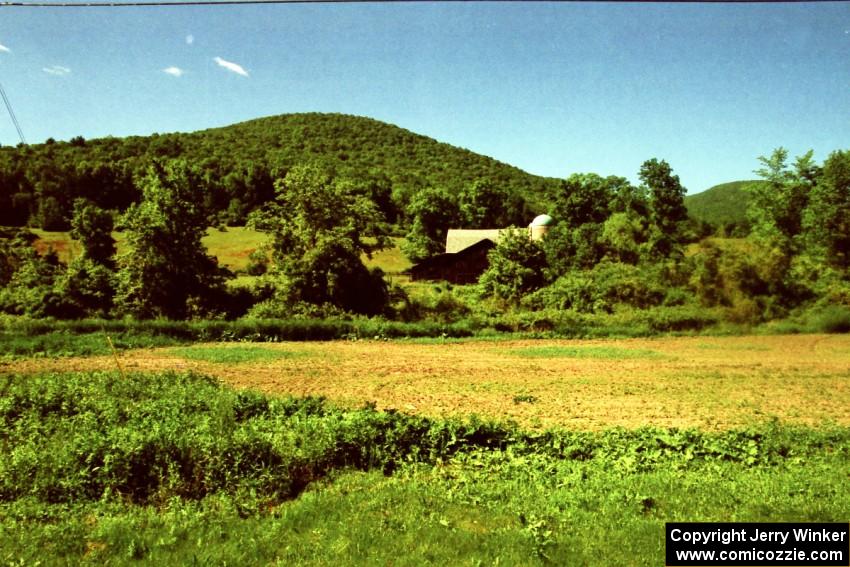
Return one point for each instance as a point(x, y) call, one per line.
point(462, 267)
point(465, 258)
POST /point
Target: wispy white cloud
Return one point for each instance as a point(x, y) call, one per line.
point(190, 39)
point(58, 70)
point(5, 49)
point(230, 66)
point(174, 71)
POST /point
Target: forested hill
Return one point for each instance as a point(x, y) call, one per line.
point(723, 206)
point(38, 183)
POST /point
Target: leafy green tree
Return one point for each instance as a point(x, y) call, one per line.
point(320, 227)
point(582, 204)
point(247, 188)
point(88, 286)
point(622, 236)
point(51, 216)
point(517, 266)
point(483, 204)
point(666, 206)
point(776, 207)
point(626, 198)
point(775, 212)
point(584, 198)
point(30, 289)
point(433, 212)
point(827, 218)
point(167, 272)
point(92, 227)
point(13, 243)
point(86, 289)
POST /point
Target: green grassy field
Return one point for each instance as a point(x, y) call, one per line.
point(231, 247)
point(176, 469)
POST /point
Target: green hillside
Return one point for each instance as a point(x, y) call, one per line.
point(722, 204)
point(354, 145)
point(38, 183)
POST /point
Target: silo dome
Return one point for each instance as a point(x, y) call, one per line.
point(540, 226)
point(542, 220)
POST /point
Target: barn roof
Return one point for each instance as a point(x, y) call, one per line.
point(462, 267)
point(457, 239)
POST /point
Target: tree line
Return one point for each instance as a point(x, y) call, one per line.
point(620, 245)
point(614, 245)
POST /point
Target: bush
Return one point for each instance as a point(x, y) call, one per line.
point(151, 438)
point(258, 262)
point(830, 319)
point(444, 306)
point(603, 288)
point(516, 268)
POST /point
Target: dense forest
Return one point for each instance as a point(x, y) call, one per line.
point(330, 190)
point(238, 164)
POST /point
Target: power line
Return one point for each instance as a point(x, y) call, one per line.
point(168, 3)
point(12, 114)
point(44, 4)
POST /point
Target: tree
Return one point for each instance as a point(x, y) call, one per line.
point(666, 206)
point(517, 266)
point(432, 212)
point(50, 215)
point(827, 218)
point(30, 286)
point(622, 236)
point(167, 272)
point(776, 207)
point(88, 286)
point(92, 227)
point(584, 198)
point(581, 205)
point(483, 204)
point(775, 212)
point(320, 227)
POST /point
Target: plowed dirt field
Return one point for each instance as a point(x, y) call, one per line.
point(706, 382)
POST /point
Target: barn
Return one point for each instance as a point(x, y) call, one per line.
point(462, 267)
point(465, 258)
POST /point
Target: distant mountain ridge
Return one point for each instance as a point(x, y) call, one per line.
point(721, 205)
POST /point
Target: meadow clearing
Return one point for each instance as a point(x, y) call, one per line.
point(424, 452)
point(706, 382)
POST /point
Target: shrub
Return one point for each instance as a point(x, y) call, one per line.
point(516, 267)
point(258, 262)
point(603, 288)
point(830, 319)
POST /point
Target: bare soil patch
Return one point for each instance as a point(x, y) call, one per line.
point(706, 382)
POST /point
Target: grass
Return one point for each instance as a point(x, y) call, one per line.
point(392, 261)
point(22, 337)
point(715, 383)
point(457, 514)
point(15, 345)
point(231, 247)
point(233, 354)
point(593, 352)
point(177, 469)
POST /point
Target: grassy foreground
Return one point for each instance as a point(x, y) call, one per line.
point(169, 468)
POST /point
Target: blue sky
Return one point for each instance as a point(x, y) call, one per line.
point(552, 88)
